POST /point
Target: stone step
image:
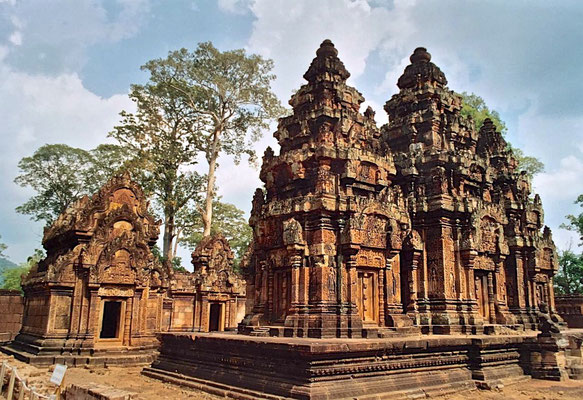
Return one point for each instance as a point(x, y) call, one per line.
point(211, 387)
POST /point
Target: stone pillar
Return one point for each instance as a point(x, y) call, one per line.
point(414, 281)
point(382, 289)
point(296, 262)
point(128, 322)
point(93, 316)
point(77, 304)
point(491, 298)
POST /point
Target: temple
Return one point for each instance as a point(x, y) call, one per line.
point(212, 298)
point(97, 296)
point(397, 262)
point(425, 224)
point(403, 261)
point(101, 296)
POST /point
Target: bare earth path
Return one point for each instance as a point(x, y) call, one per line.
point(130, 379)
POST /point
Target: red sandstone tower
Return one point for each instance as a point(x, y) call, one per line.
point(423, 223)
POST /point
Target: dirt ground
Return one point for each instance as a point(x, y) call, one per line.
point(130, 379)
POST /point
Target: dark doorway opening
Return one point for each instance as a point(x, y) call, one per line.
point(215, 317)
point(110, 321)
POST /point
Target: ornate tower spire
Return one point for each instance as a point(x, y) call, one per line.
point(326, 66)
point(420, 71)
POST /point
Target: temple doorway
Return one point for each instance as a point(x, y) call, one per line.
point(110, 322)
point(366, 297)
point(283, 286)
point(482, 295)
point(215, 316)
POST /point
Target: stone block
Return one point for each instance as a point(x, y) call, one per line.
point(93, 391)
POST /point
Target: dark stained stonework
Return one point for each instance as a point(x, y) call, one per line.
point(425, 224)
point(570, 308)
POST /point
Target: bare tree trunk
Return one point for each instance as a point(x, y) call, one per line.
point(168, 233)
point(207, 215)
point(168, 237)
point(177, 239)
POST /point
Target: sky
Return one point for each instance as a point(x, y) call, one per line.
point(66, 68)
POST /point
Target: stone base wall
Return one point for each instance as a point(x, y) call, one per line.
point(256, 367)
point(11, 311)
point(42, 351)
point(570, 308)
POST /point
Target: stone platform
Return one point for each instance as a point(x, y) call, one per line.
point(46, 352)
point(244, 367)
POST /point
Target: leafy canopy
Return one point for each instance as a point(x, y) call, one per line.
point(576, 221)
point(228, 220)
point(228, 92)
point(475, 107)
point(162, 134)
point(228, 96)
point(60, 174)
point(569, 279)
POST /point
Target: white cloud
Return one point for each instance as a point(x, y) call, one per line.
point(62, 30)
point(290, 33)
point(35, 110)
point(234, 6)
point(558, 189)
point(15, 38)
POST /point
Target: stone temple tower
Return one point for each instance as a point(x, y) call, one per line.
point(423, 225)
point(330, 226)
point(485, 259)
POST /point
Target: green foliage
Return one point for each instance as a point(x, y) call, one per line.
point(227, 99)
point(228, 93)
point(569, 279)
point(228, 220)
point(162, 135)
point(12, 277)
point(475, 107)
point(176, 261)
point(5, 264)
point(60, 174)
point(576, 221)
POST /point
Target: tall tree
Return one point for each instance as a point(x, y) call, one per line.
point(162, 134)
point(475, 107)
point(60, 174)
point(569, 279)
point(230, 95)
point(576, 221)
point(228, 220)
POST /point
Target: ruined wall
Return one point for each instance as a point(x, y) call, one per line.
point(570, 308)
point(11, 310)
